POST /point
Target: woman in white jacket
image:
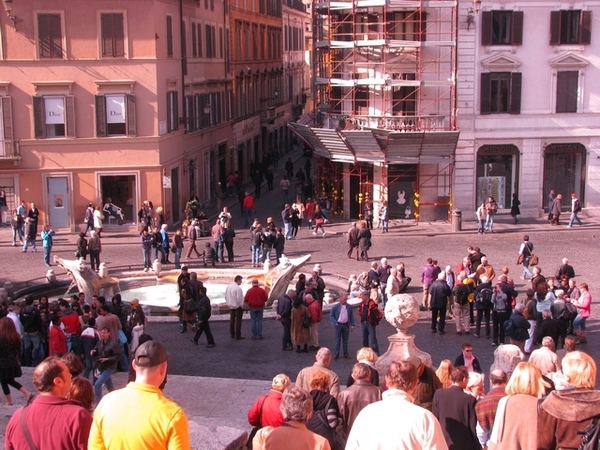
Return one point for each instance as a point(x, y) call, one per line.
point(98, 218)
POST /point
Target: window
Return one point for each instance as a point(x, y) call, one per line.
point(404, 97)
point(567, 91)
point(113, 35)
point(54, 116)
point(189, 113)
point(502, 28)
point(50, 36)
point(172, 111)
point(211, 41)
point(115, 115)
point(501, 92)
point(570, 27)
point(169, 36)
point(406, 25)
point(6, 126)
point(194, 41)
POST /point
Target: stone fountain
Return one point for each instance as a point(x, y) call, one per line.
point(86, 280)
point(402, 312)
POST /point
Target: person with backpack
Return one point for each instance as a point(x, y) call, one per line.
point(525, 252)
point(517, 327)
point(575, 209)
point(500, 314)
point(483, 305)
point(461, 306)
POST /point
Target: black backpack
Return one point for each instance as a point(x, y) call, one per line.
point(462, 294)
point(484, 297)
point(590, 437)
point(577, 207)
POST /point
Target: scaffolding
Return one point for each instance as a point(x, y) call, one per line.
point(384, 83)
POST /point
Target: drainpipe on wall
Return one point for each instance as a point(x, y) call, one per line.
point(183, 63)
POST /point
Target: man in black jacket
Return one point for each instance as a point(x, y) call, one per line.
point(352, 240)
point(32, 337)
point(517, 330)
point(456, 412)
point(284, 315)
point(108, 354)
point(439, 291)
point(204, 312)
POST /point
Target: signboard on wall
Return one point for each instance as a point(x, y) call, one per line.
point(166, 182)
point(115, 109)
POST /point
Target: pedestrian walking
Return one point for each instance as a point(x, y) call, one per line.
point(279, 245)
point(95, 248)
point(30, 235)
point(551, 197)
point(319, 218)
point(384, 217)
point(108, 354)
point(525, 252)
point(192, 234)
point(575, 209)
point(16, 223)
point(203, 313)
point(228, 235)
point(82, 246)
point(364, 240)
point(556, 210)
point(248, 209)
point(289, 168)
point(286, 216)
point(47, 239)
point(368, 213)
point(514, 208)
point(98, 218)
point(177, 248)
point(10, 367)
point(146, 239)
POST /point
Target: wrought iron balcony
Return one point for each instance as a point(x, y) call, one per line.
point(10, 150)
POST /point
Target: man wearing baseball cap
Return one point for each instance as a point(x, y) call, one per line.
point(139, 415)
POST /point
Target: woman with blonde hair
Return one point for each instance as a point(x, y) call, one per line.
point(265, 411)
point(565, 414)
point(443, 373)
point(513, 428)
point(367, 356)
point(475, 385)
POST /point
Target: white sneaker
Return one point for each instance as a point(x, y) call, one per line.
point(145, 269)
point(315, 233)
point(324, 234)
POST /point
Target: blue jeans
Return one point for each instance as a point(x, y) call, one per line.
point(489, 223)
point(177, 258)
point(527, 274)
point(368, 332)
point(16, 232)
point(266, 254)
point(90, 366)
point(146, 255)
point(47, 251)
point(579, 322)
point(26, 244)
point(124, 360)
point(104, 378)
point(342, 331)
point(481, 227)
point(286, 342)
point(35, 354)
point(248, 217)
point(573, 218)
point(256, 316)
point(284, 193)
point(255, 254)
point(218, 247)
point(384, 225)
point(287, 229)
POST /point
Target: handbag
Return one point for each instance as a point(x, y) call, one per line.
point(533, 260)
point(320, 221)
point(122, 337)
point(173, 249)
point(306, 322)
point(520, 259)
point(189, 307)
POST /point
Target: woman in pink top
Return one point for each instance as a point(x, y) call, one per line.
point(584, 306)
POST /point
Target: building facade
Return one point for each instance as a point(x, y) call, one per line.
point(384, 120)
point(126, 100)
point(527, 104)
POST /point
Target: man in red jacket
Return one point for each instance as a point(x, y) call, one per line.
point(256, 297)
point(248, 209)
point(316, 314)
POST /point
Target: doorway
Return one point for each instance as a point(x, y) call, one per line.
point(175, 194)
point(58, 202)
point(121, 189)
point(564, 171)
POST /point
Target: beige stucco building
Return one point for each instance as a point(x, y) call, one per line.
point(97, 102)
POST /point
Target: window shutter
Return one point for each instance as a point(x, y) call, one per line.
point(131, 119)
point(106, 25)
point(38, 117)
point(169, 36)
point(566, 91)
point(44, 36)
point(555, 28)
point(585, 29)
point(101, 130)
point(70, 115)
point(486, 28)
point(55, 36)
point(7, 122)
point(517, 28)
point(119, 35)
point(515, 93)
point(485, 104)
point(194, 42)
point(199, 41)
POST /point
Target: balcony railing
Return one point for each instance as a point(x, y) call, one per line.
point(392, 123)
point(267, 115)
point(10, 150)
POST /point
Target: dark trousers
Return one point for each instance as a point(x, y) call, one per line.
point(498, 319)
point(95, 259)
point(481, 313)
point(286, 341)
point(229, 247)
point(435, 312)
point(404, 284)
point(192, 248)
point(204, 327)
point(257, 190)
point(235, 322)
point(342, 332)
point(555, 219)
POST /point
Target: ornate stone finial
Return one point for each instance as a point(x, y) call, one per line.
point(402, 312)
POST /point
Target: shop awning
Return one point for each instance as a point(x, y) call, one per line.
point(379, 145)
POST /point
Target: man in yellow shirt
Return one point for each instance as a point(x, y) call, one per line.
point(139, 415)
